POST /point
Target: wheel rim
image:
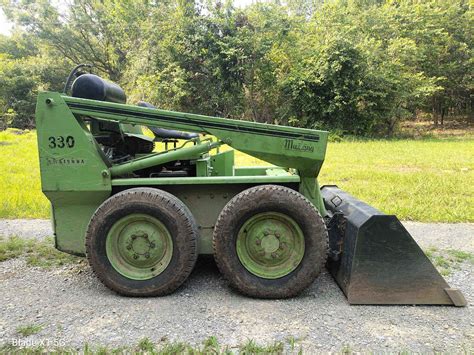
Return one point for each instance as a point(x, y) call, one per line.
point(139, 246)
point(270, 245)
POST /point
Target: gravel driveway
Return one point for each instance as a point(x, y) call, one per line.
point(74, 308)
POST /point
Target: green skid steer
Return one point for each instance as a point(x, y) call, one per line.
point(142, 214)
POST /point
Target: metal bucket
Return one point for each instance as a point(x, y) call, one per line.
point(375, 260)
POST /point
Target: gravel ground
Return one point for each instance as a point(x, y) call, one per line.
point(26, 228)
point(458, 236)
point(75, 308)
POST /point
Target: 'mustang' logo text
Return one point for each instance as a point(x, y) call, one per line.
point(300, 147)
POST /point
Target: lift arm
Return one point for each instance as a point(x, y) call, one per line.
point(298, 148)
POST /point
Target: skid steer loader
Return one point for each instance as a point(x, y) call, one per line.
point(142, 215)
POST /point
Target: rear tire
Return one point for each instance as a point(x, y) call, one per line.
point(142, 242)
point(270, 242)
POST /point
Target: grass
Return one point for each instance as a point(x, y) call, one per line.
point(418, 180)
point(20, 178)
point(448, 260)
point(251, 347)
point(29, 329)
point(40, 253)
point(146, 346)
point(346, 350)
point(428, 180)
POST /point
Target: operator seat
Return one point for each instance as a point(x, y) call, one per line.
point(93, 87)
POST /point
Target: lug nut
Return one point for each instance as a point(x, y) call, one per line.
point(274, 255)
point(135, 256)
point(277, 235)
point(129, 247)
point(258, 242)
point(152, 245)
point(147, 255)
point(266, 233)
point(134, 237)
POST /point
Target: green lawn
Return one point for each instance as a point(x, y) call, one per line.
point(420, 180)
point(20, 178)
point(424, 180)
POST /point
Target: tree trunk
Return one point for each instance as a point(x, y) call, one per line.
point(435, 116)
point(434, 112)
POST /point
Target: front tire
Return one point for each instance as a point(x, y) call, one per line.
point(142, 242)
point(270, 242)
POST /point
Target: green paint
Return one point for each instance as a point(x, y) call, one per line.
point(210, 180)
point(309, 187)
point(251, 170)
point(270, 245)
point(222, 164)
point(139, 246)
point(72, 211)
point(71, 177)
point(202, 167)
point(77, 177)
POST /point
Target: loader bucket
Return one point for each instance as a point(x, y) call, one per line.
point(375, 260)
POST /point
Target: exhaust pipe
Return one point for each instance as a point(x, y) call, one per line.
point(374, 259)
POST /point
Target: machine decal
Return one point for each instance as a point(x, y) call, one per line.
point(290, 144)
point(61, 142)
point(65, 161)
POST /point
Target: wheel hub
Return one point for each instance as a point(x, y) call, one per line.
point(270, 245)
point(139, 246)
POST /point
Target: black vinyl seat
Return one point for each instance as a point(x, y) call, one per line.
point(162, 133)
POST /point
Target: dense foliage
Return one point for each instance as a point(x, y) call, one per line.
point(359, 66)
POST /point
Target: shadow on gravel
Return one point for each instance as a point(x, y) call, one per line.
point(206, 265)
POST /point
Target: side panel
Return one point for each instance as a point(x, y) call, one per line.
point(72, 212)
point(223, 163)
point(250, 170)
point(206, 203)
point(73, 173)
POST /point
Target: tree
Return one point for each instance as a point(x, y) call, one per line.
point(89, 31)
point(360, 66)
